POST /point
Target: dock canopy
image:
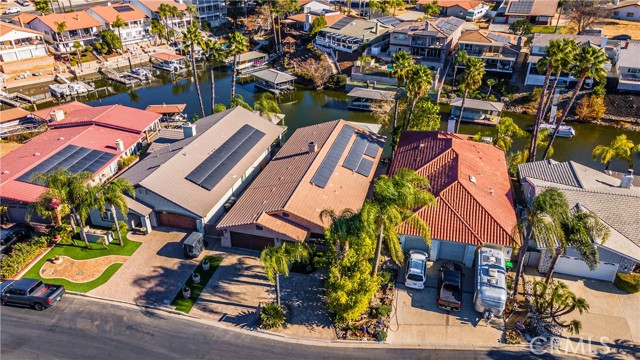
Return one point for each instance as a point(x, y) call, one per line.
point(248, 56)
point(274, 76)
point(372, 94)
point(166, 57)
point(167, 108)
point(478, 104)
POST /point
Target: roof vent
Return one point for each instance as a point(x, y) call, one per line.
point(36, 154)
point(312, 147)
point(6, 172)
point(61, 138)
point(473, 179)
point(491, 191)
point(491, 260)
point(627, 180)
point(120, 145)
point(493, 272)
point(57, 115)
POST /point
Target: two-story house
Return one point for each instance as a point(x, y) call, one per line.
point(539, 12)
point(348, 34)
point(213, 12)
point(628, 67)
point(22, 49)
point(499, 51)
point(78, 26)
point(151, 9)
point(429, 41)
point(136, 22)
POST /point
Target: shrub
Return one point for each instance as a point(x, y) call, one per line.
point(380, 335)
point(512, 337)
point(536, 94)
point(21, 254)
point(591, 108)
point(380, 311)
point(337, 81)
point(599, 91)
point(123, 227)
point(272, 316)
point(123, 162)
point(628, 282)
point(385, 277)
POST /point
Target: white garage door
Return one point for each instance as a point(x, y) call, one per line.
point(576, 267)
point(451, 251)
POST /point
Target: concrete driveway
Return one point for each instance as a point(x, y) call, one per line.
point(154, 274)
point(419, 321)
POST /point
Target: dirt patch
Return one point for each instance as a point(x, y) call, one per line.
point(7, 147)
point(79, 271)
point(613, 27)
point(625, 105)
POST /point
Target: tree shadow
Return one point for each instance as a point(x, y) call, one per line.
point(305, 295)
point(162, 284)
point(171, 250)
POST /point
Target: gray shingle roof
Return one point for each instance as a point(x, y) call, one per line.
point(550, 171)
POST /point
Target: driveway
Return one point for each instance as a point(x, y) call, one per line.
point(154, 273)
point(419, 321)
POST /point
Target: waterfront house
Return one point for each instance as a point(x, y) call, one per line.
point(456, 8)
point(324, 166)
point(627, 68)
point(22, 49)
point(303, 21)
point(137, 23)
point(150, 9)
point(499, 51)
point(349, 34)
point(615, 201)
point(474, 200)
point(188, 182)
point(625, 10)
point(477, 111)
point(539, 12)
point(89, 139)
point(45, 115)
point(169, 112)
point(80, 26)
point(315, 6)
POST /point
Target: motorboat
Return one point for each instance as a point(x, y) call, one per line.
point(565, 131)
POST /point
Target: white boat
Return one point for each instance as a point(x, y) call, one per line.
point(564, 131)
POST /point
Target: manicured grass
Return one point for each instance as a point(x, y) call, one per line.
point(185, 305)
point(546, 29)
point(79, 252)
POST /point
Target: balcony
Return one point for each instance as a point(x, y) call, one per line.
point(426, 43)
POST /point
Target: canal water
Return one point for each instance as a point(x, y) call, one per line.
point(307, 107)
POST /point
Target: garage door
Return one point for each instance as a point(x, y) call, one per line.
point(253, 242)
point(575, 266)
point(451, 251)
point(176, 220)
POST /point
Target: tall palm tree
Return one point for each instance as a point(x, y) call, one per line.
point(192, 39)
point(402, 63)
point(419, 82)
point(192, 10)
point(238, 44)
point(490, 82)
point(460, 58)
point(61, 27)
point(113, 194)
point(589, 63)
point(77, 47)
point(164, 11)
point(619, 148)
point(471, 80)
point(394, 202)
point(276, 260)
point(214, 53)
point(118, 24)
point(267, 105)
point(563, 63)
point(342, 227)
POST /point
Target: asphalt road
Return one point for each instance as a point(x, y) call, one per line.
point(79, 328)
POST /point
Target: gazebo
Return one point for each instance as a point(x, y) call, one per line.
point(289, 44)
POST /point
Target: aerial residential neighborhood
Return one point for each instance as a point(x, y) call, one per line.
point(314, 179)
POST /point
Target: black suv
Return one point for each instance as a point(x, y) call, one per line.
point(12, 235)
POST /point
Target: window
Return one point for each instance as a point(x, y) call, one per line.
point(107, 216)
point(630, 14)
point(259, 228)
point(633, 71)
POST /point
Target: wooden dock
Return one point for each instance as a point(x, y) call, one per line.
point(15, 99)
point(125, 78)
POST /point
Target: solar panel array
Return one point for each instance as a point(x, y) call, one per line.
point(389, 20)
point(500, 38)
point(74, 158)
point(340, 24)
point(355, 160)
point(521, 7)
point(124, 8)
point(324, 172)
point(365, 167)
point(448, 26)
point(214, 168)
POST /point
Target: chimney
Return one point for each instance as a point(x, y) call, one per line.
point(312, 146)
point(519, 42)
point(189, 130)
point(307, 22)
point(108, 3)
point(119, 145)
point(57, 115)
point(627, 180)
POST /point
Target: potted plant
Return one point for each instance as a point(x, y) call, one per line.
point(186, 292)
point(195, 277)
point(205, 264)
point(57, 259)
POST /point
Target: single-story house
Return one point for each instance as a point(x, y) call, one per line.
point(324, 166)
point(188, 183)
point(625, 10)
point(349, 33)
point(315, 6)
point(474, 200)
point(627, 67)
point(539, 12)
point(616, 202)
point(14, 118)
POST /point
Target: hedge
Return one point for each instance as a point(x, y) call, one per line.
point(21, 254)
point(628, 282)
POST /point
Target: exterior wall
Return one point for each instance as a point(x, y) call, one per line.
point(158, 203)
point(251, 230)
point(212, 11)
point(18, 214)
point(87, 36)
point(631, 12)
point(409, 242)
point(315, 6)
point(456, 11)
point(132, 218)
point(43, 62)
point(629, 78)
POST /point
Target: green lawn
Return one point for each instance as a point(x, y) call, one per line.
point(546, 29)
point(79, 252)
point(185, 305)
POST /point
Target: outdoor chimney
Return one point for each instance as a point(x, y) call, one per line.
point(627, 180)
point(119, 145)
point(312, 146)
point(57, 115)
point(189, 130)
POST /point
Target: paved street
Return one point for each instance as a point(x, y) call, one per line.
point(79, 328)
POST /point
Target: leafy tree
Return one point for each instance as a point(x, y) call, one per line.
point(113, 194)
point(214, 53)
point(418, 84)
point(118, 24)
point(219, 108)
point(585, 13)
point(471, 80)
point(506, 131)
point(426, 116)
point(111, 40)
point(77, 47)
point(61, 28)
point(402, 64)
point(554, 300)
point(318, 24)
point(460, 58)
point(192, 39)
point(343, 226)
point(432, 10)
point(238, 100)
point(267, 105)
point(42, 6)
point(238, 44)
point(619, 148)
point(276, 260)
point(521, 27)
point(394, 202)
point(591, 108)
point(157, 29)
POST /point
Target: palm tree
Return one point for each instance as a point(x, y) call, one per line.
point(471, 80)
point(459, 58)
point(555, 300)
point(113, 194)
point(276, 260)
point(61, 27)
point(267, 105)
point(419, 83)
point(564, 62)
point(343, 226)
point(395, 200)
point(192, 10)
point(506, 131)
point(164, 11)
point(77, 46)
point(490, 82)
point(590, 63)
point(193, 38)
point(402, 63)
point(238, 44)
point(619, 148)
point(118, 24)
point(214, 53)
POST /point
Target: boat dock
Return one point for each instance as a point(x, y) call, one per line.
point(126, 78)
point(15, 99)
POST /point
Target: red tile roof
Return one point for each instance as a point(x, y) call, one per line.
point(13, 114)
point(110, 12)
point(75, 20)
point(167, 108)
point(474, 200)
point(166, 56)
point(114, 116)
point(45, 114)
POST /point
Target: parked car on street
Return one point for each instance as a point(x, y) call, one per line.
point(12, 235)
point(416, 273)
point(621, 37)
point(13, 10)
point(450, 286)
point(30, 293)
point(24, 3)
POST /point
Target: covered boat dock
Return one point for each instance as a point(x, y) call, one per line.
point(364, 98)
point(274, 81)
point(477, 111)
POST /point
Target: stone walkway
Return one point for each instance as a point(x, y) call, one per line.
point(79, 271)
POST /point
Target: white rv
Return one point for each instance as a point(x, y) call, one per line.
point(477, 12)
point(490, 295)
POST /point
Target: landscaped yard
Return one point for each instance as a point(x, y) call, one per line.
point(185, 305)
point(80, 252)
point(547, 29)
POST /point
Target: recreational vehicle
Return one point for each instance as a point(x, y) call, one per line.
point(490, 297)
point(477, 12)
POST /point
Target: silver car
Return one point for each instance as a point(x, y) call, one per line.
point(416, 272)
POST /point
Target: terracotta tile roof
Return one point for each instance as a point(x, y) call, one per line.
point(283, 226)
point(12, 114)
point(166, 56)
point(285, 183)
point(330, 19)
point(474, 202)
point(45, 114)
point(23, 18)
point(465, 4)
point(115, 116)
point(288, 39)
point(153, 5)
point(167, 108)
point(8, 27)
point(75, 20)
point(110, 12)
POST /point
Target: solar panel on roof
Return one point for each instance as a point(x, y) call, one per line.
point(521, 7)
point(499, 38)
point(74, 158)
point(124, 8)
point(372, 149)
point(217, 165)
point(341, 23)
point(365, 167)
point(389, 20)
point(358, 148)
point(328, 165)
